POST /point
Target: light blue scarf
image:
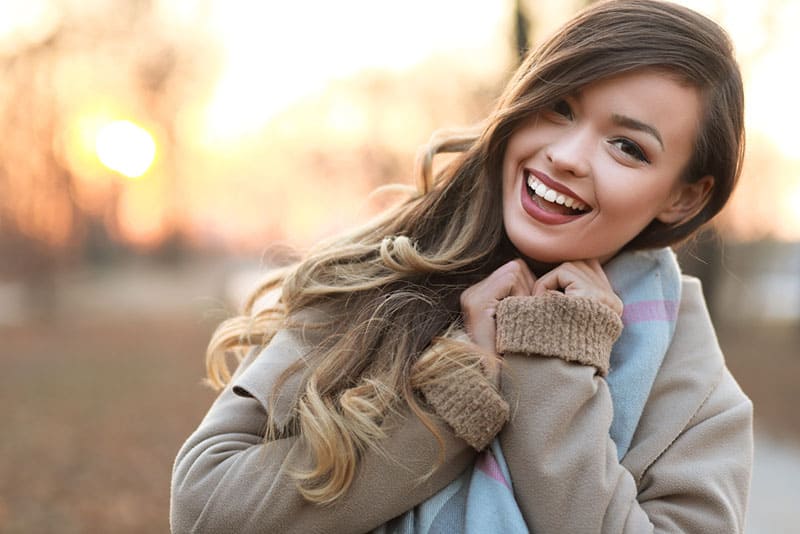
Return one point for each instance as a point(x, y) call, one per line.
point(482, 499)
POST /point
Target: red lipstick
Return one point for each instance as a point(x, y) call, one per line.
point(534, 206)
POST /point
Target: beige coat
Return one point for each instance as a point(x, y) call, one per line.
point(687, 469)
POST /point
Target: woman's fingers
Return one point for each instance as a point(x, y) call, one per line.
point(580, 279)
point(479, 302)
point(512, 278)
point(575, 279)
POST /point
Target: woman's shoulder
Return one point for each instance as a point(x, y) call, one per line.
point(264, 366)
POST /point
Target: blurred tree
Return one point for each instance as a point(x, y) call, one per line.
point(38, 217)
point(522, 25)
point(119, 51)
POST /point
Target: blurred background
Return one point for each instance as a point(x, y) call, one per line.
point(157, 155)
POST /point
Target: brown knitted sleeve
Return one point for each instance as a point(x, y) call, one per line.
point(576, 329)
point(471, 405)
point(473, 408)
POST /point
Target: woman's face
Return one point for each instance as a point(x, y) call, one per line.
point(580, 180)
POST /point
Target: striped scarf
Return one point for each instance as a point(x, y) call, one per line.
point(482, 499)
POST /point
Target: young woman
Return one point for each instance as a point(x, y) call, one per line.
point(514, 348)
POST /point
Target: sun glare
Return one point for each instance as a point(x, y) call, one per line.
point(277, 52)
point(23, 23)
point(126, 148)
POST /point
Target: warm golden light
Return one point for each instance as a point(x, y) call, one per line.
point(300, 118)
point(330, 93)
point(126, 148)
point(23, 23)
point(275, 54)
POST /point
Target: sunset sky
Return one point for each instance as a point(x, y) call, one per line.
point(278, 85)
point(352, 35)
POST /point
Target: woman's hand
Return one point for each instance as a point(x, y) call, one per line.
point(580, 279)
point(584, 278)
point(479, 302)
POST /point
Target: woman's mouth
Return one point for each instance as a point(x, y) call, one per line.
point(548, 205)
point(554, 201)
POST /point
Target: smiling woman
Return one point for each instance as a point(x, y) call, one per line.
point(582, 178)
point(532, 271)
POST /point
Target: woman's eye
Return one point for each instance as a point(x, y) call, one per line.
point(631, 149)
point(562, 108)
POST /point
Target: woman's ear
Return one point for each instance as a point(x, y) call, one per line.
point(687, 201)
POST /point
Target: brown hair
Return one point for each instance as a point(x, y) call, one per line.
point(411, 265)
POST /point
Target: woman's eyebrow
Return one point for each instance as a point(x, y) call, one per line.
point(633, 124)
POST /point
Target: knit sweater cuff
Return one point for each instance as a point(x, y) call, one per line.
point(472, 407)
point(576, 329)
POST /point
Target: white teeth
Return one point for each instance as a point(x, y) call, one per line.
point(551, 195)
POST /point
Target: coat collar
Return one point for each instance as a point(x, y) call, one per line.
point(263, 366)
point(692, 368)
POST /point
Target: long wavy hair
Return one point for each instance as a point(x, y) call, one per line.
point(390, 288)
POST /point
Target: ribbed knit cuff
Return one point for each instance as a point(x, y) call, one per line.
point(472, 407)
point(576, 329)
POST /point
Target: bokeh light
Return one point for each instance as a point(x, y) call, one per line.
point(126, 148)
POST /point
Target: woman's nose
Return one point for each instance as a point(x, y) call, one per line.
point(570, 153)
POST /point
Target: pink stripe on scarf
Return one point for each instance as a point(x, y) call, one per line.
point(489, 466)
point(650, 310)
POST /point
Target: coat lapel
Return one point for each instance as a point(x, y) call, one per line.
point(692, 368)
